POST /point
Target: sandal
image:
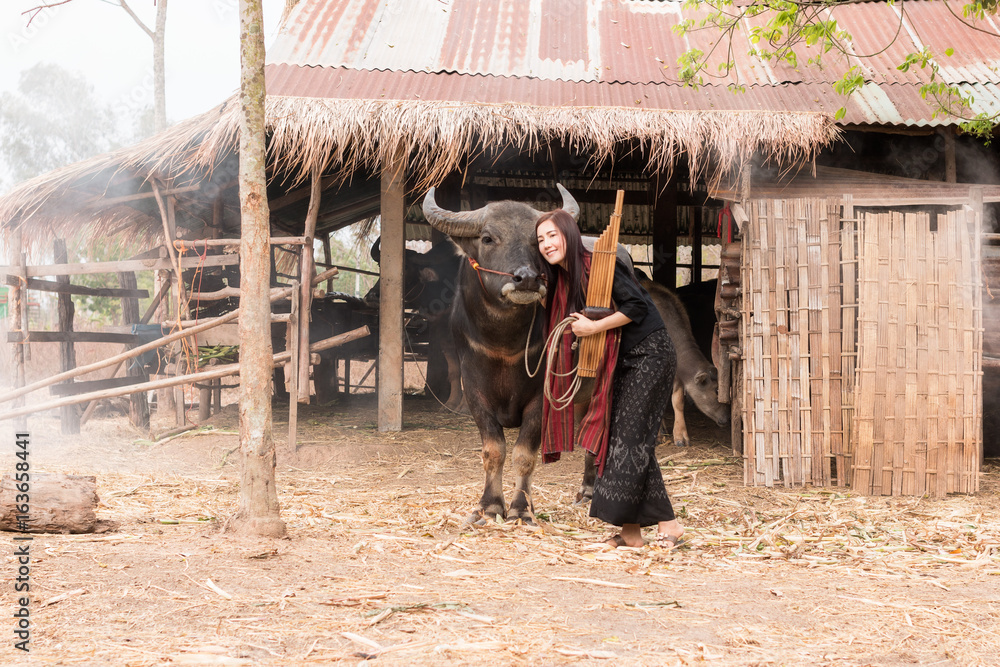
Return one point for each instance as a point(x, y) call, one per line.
point(669, 541)
point(615, 541)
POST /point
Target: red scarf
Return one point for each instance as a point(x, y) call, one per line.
point(557, 425)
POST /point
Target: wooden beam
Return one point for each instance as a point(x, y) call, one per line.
point(123, 265)
point(105, 202)
point(135, 352)
point(63, 287)
point(73, 388)
point(71, 337)
point(390, 366)
point(221, 371)
point(89, 410)
point(298, 195)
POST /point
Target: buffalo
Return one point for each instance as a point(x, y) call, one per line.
point(496, 322)
point(429, 287)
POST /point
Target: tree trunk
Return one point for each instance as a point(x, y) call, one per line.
point(258, 512)
point(159, 69)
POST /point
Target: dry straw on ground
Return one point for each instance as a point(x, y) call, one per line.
point(381, 567)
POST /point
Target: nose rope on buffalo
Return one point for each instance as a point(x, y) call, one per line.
point(477, 267)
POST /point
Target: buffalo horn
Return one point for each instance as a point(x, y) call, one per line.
point(452, 223)
point(569, 204)
point(376, 250)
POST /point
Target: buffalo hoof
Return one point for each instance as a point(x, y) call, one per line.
point(483, 517)
point(526, 517)
point(584, 495)
point(681, 442)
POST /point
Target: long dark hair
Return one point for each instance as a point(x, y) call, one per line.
point(575, 276)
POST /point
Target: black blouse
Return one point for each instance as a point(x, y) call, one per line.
point(634, 302)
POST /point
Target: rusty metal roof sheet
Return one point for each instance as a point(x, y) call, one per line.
point(619, 53)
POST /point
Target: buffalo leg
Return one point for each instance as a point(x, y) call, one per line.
point(525, 455)
point(580, 405)
point(589, 477)
point(680, 426)
point(494, 454)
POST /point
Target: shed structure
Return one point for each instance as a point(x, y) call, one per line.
point(502, 99)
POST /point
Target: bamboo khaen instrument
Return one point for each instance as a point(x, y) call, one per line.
point(602, 275)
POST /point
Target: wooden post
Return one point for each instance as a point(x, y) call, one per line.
point(665, 233)
point(204, 403)
point(390, 367)
point(69, 418)
point(18, 306)
point(950, 169)
point(696, 224)
point(138, 413)
point(217, 394)
point(328, 258)
point(976, 203)
point(307, 270)
point(291, 372)
point(164, 283)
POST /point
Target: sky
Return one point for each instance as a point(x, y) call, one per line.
point(98, 39)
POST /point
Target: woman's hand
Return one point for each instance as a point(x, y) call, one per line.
point(583, 326)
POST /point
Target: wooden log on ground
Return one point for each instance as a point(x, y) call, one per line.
point(58, 504)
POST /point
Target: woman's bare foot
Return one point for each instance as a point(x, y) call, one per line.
point(669, 533)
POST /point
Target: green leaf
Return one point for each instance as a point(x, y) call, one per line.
point(841, 112)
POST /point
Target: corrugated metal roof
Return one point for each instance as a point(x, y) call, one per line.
point(617, 53)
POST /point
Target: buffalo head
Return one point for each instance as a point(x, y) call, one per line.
point(501, 238)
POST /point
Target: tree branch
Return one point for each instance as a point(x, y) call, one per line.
point(35, 11)
point(138, 21)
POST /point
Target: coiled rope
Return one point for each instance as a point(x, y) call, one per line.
point(550, 355)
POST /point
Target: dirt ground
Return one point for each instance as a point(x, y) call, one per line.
point(379, 566)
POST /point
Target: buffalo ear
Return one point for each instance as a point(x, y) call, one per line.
point(429, 275)
point(701, 377)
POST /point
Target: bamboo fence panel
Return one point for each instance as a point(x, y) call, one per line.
point(791, 326)
point(918, 412)
point(848, 257)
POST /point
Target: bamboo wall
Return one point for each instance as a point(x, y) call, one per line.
point(918, 413)
point(862, 346)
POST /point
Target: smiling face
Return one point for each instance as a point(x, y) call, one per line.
point(552, 243)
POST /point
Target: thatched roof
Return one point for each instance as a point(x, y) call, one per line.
point(343, 137)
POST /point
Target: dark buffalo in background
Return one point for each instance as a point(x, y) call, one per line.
point(696, 376)
point(429, 288)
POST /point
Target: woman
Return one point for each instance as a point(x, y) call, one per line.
point(629, 491)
